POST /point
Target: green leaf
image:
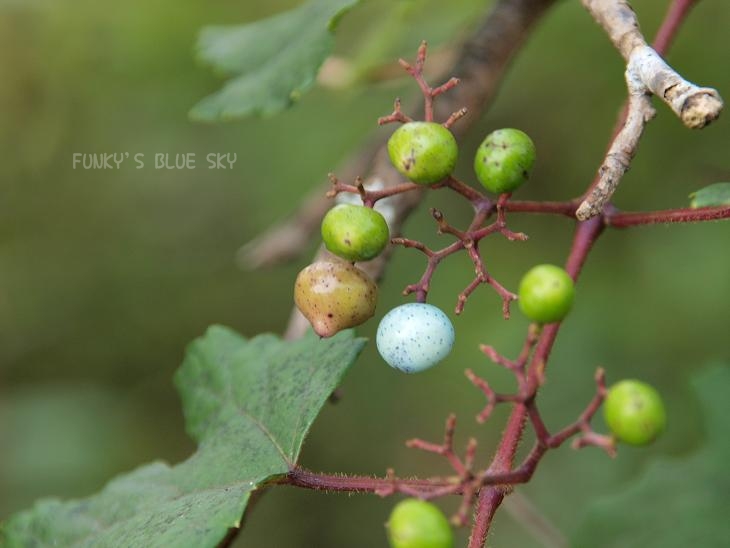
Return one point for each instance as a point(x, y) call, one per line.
point(274, 61)
point(713, 195)
point(248, 404)
point(677, 502)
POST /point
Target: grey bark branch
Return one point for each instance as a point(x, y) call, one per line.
point(646, 74)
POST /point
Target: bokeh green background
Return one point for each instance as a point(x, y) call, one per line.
point(105, 276)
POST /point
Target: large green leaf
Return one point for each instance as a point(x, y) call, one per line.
point(717, 194)
point(676, 503)
point(248, 404)
point(274, 60)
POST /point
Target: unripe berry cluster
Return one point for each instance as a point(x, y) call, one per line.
point(336, 295)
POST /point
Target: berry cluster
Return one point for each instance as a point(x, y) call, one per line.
point(335, 294)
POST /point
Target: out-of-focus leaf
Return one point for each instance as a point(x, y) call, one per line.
point(273, 61)
point(677, 502)
point(248, 404)
point(713, 195)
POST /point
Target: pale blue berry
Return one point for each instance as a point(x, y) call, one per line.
point(415, 336)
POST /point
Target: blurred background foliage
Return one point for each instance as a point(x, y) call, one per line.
point(105, 276)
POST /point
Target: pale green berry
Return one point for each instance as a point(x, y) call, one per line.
point(634, 412)
point(546, 294)
point(354, 232)
point(504, 159)
point(424, 152)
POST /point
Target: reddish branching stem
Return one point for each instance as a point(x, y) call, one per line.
point(445, 449)
point(368, 197)
point(618, 219)
point(466, 240)
point(396, 116)
point(493, 398)
point(386, 486)
point(498, 477)
point(429, 93)
point(491, 497)
point(451, 120)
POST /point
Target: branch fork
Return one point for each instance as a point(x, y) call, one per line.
point(646, 74)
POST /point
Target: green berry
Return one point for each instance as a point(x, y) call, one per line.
point(416, 523)
point(504, 159)
point(424, 152)
point(634, 412)
point(334, 295)
point(546, 293)
point(355, 233)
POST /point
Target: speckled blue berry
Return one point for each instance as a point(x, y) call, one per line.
point(414, 337)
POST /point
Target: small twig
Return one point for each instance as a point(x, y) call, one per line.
point(444, 227)
point(458, 115)
point(483, 277)
point(446, 449)
point(396, 116)
point(619, 155)
point(646, 74)
point(407, 242)
point(421, 288)
point(583, 424)
point(525, 392)
point(467, 487)
point(368, 196)
point(468, 240)
point(502, 221)
point(429, 93)
point(471, 194)
point(566, 209)
point(516, 366)
point(493, 398)
point(617, 219)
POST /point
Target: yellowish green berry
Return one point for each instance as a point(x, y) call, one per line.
point(335, 295)
point(634, 412)
point(424, 152)
point(504, 159)
point(354, 232)
point(416, 523)
point(546, 294)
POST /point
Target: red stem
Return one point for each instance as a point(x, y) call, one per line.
point(557, 208)
point(300, 477)
point(685, 215)
point(676, 14)
point(491, 497)
point(487, 504)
